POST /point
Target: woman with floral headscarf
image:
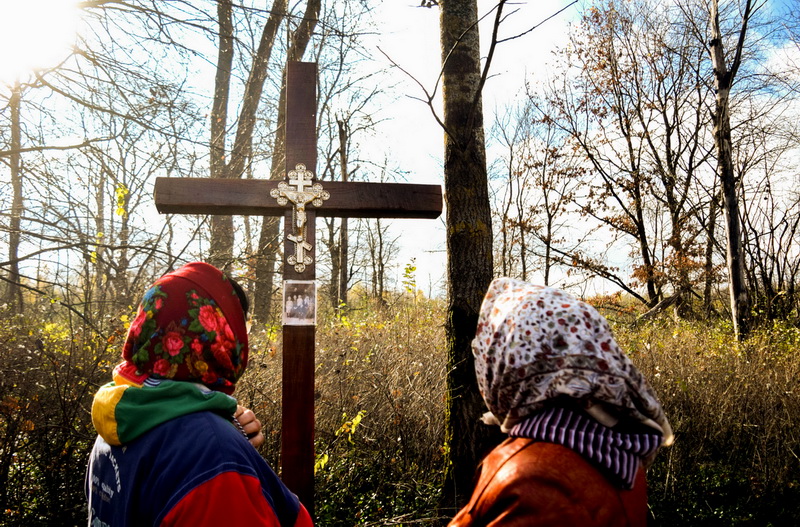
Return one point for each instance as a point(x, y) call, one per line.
point(582, 421)
point(170, 450)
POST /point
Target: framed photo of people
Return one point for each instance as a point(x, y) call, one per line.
point(299, 303)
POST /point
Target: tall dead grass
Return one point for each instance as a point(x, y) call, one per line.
point(379, 394)
point(380, 377)
point(735, 410)
point(380, 381)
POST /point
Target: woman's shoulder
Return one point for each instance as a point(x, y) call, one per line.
point(543, 481)
point(541, 460)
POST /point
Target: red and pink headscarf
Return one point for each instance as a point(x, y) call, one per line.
point(536, 344)
point(190, 326)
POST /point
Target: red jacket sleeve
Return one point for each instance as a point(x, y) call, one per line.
point(303, 518)
point(231, 499)
point(524, 483)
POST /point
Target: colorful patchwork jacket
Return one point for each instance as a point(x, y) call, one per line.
point(168, 454)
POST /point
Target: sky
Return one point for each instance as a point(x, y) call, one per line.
point(409, 35)
point(40, 32)
point(34, 33)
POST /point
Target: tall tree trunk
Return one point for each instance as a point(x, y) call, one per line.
point(506, 224)
point(343, 242)
point(469, 242)
point(548, 244)
point(14, 289)
point(221, 249)
point(269, 244)
point(723, 80)
point(333, 248)
point(709, 257)
point(378, 261)
point(100, 278)
point(653, 295)
point(522, 210)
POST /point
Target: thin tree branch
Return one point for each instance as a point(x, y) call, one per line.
point(85, 143)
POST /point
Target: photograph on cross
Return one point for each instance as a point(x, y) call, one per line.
point(299, 303)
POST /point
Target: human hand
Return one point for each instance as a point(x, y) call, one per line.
point(250, 424)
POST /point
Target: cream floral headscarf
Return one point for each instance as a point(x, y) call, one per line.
point(535, 344)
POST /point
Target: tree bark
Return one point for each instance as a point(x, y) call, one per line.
point(100, 276)
point(469, 242)
point(708, 274)
point(14, 289)
point(723, 81)
point(268, 242)
point(221, 248)
point(377, 260)
point(343, 241)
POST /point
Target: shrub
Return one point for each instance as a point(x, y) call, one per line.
point(735, 410)
point(379, 394)
point(48, 374)
point(380, 380)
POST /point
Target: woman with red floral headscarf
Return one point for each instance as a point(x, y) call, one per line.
point(169, 449)
point(582, 421)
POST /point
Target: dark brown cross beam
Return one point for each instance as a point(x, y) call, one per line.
point(298, 199)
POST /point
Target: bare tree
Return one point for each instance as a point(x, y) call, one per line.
point(724, 76)
point(770, 210)
point(512, 211)
point(342, 276)
point(348, 94)
point(632, 97)
point(221, 249)
point(83, 211)
point(13, 295)
point(539, 194)
point(268, 242)
point(382, 249)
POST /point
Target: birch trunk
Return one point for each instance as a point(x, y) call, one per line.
point(723, 80)
point(14, 288)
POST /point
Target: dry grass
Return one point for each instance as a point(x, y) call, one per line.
point(735, 410)
point(379, 409)
point(736, 414)
point(380, 377)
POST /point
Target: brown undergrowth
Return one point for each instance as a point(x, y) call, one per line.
point(380, 377)
point(379, 395)
point(735, 410)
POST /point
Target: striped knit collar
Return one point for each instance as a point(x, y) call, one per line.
point(618, 454)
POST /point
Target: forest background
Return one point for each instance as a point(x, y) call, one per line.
point(608, 174)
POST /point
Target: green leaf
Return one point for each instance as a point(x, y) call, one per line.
point(141, 356)
point(320, 463)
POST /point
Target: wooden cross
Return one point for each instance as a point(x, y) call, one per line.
point(272, 198)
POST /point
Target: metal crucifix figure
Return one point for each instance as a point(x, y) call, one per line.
point(301, 178)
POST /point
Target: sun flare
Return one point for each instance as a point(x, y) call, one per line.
point(34, 34)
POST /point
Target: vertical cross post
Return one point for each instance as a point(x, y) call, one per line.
point(297, 430)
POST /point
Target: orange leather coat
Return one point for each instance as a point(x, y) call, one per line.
point(528, 483)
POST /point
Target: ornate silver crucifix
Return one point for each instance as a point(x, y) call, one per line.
point(300, 197)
